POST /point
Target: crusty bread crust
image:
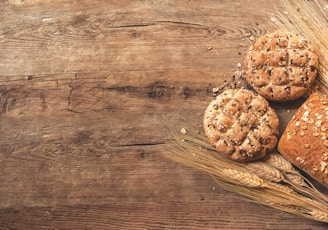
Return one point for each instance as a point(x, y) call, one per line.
point(281, 66)
point(241, 125)
point(305, 139)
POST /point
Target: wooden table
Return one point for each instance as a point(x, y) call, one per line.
point(89, 93)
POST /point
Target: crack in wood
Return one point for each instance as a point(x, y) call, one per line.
point(132, 25)
point(69, 99)
point(158, 23)
point(141, 144)
point(181, 23)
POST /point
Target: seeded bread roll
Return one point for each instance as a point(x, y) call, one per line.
point(305, 139)
point(281, 66)
point(241, 125)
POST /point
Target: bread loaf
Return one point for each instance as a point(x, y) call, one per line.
point(305, 139)
point(281, 66)
point(241, 125)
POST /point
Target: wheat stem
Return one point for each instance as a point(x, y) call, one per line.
point(274, 189)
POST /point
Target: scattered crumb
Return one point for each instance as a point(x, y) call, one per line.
point(183, 131)
point(216, 90)
point(208, 47)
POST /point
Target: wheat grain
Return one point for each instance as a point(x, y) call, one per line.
point(278, 161)
point(265, 171)
point(318, 214)
point(296, 178)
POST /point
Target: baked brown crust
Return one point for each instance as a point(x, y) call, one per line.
point(241, 125)
point(281, 66)
point(305, 139)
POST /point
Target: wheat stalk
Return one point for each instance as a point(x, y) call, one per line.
point(280, 200)
point(261, 182)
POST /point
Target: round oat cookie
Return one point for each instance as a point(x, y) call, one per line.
point(281, 66)
point(241, 125)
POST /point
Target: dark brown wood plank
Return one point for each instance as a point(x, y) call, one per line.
point(147, 215)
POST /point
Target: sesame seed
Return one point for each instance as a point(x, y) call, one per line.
point(297, 123)
point(318, 123)
point(325, 156)
point(306, 113)
point(306, 146)
point(300, 160)
point(325, 143)
point(315, 134)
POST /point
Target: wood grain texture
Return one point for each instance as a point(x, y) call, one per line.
point(89, 91)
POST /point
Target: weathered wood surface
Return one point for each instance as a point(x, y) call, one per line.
point(88, 92)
